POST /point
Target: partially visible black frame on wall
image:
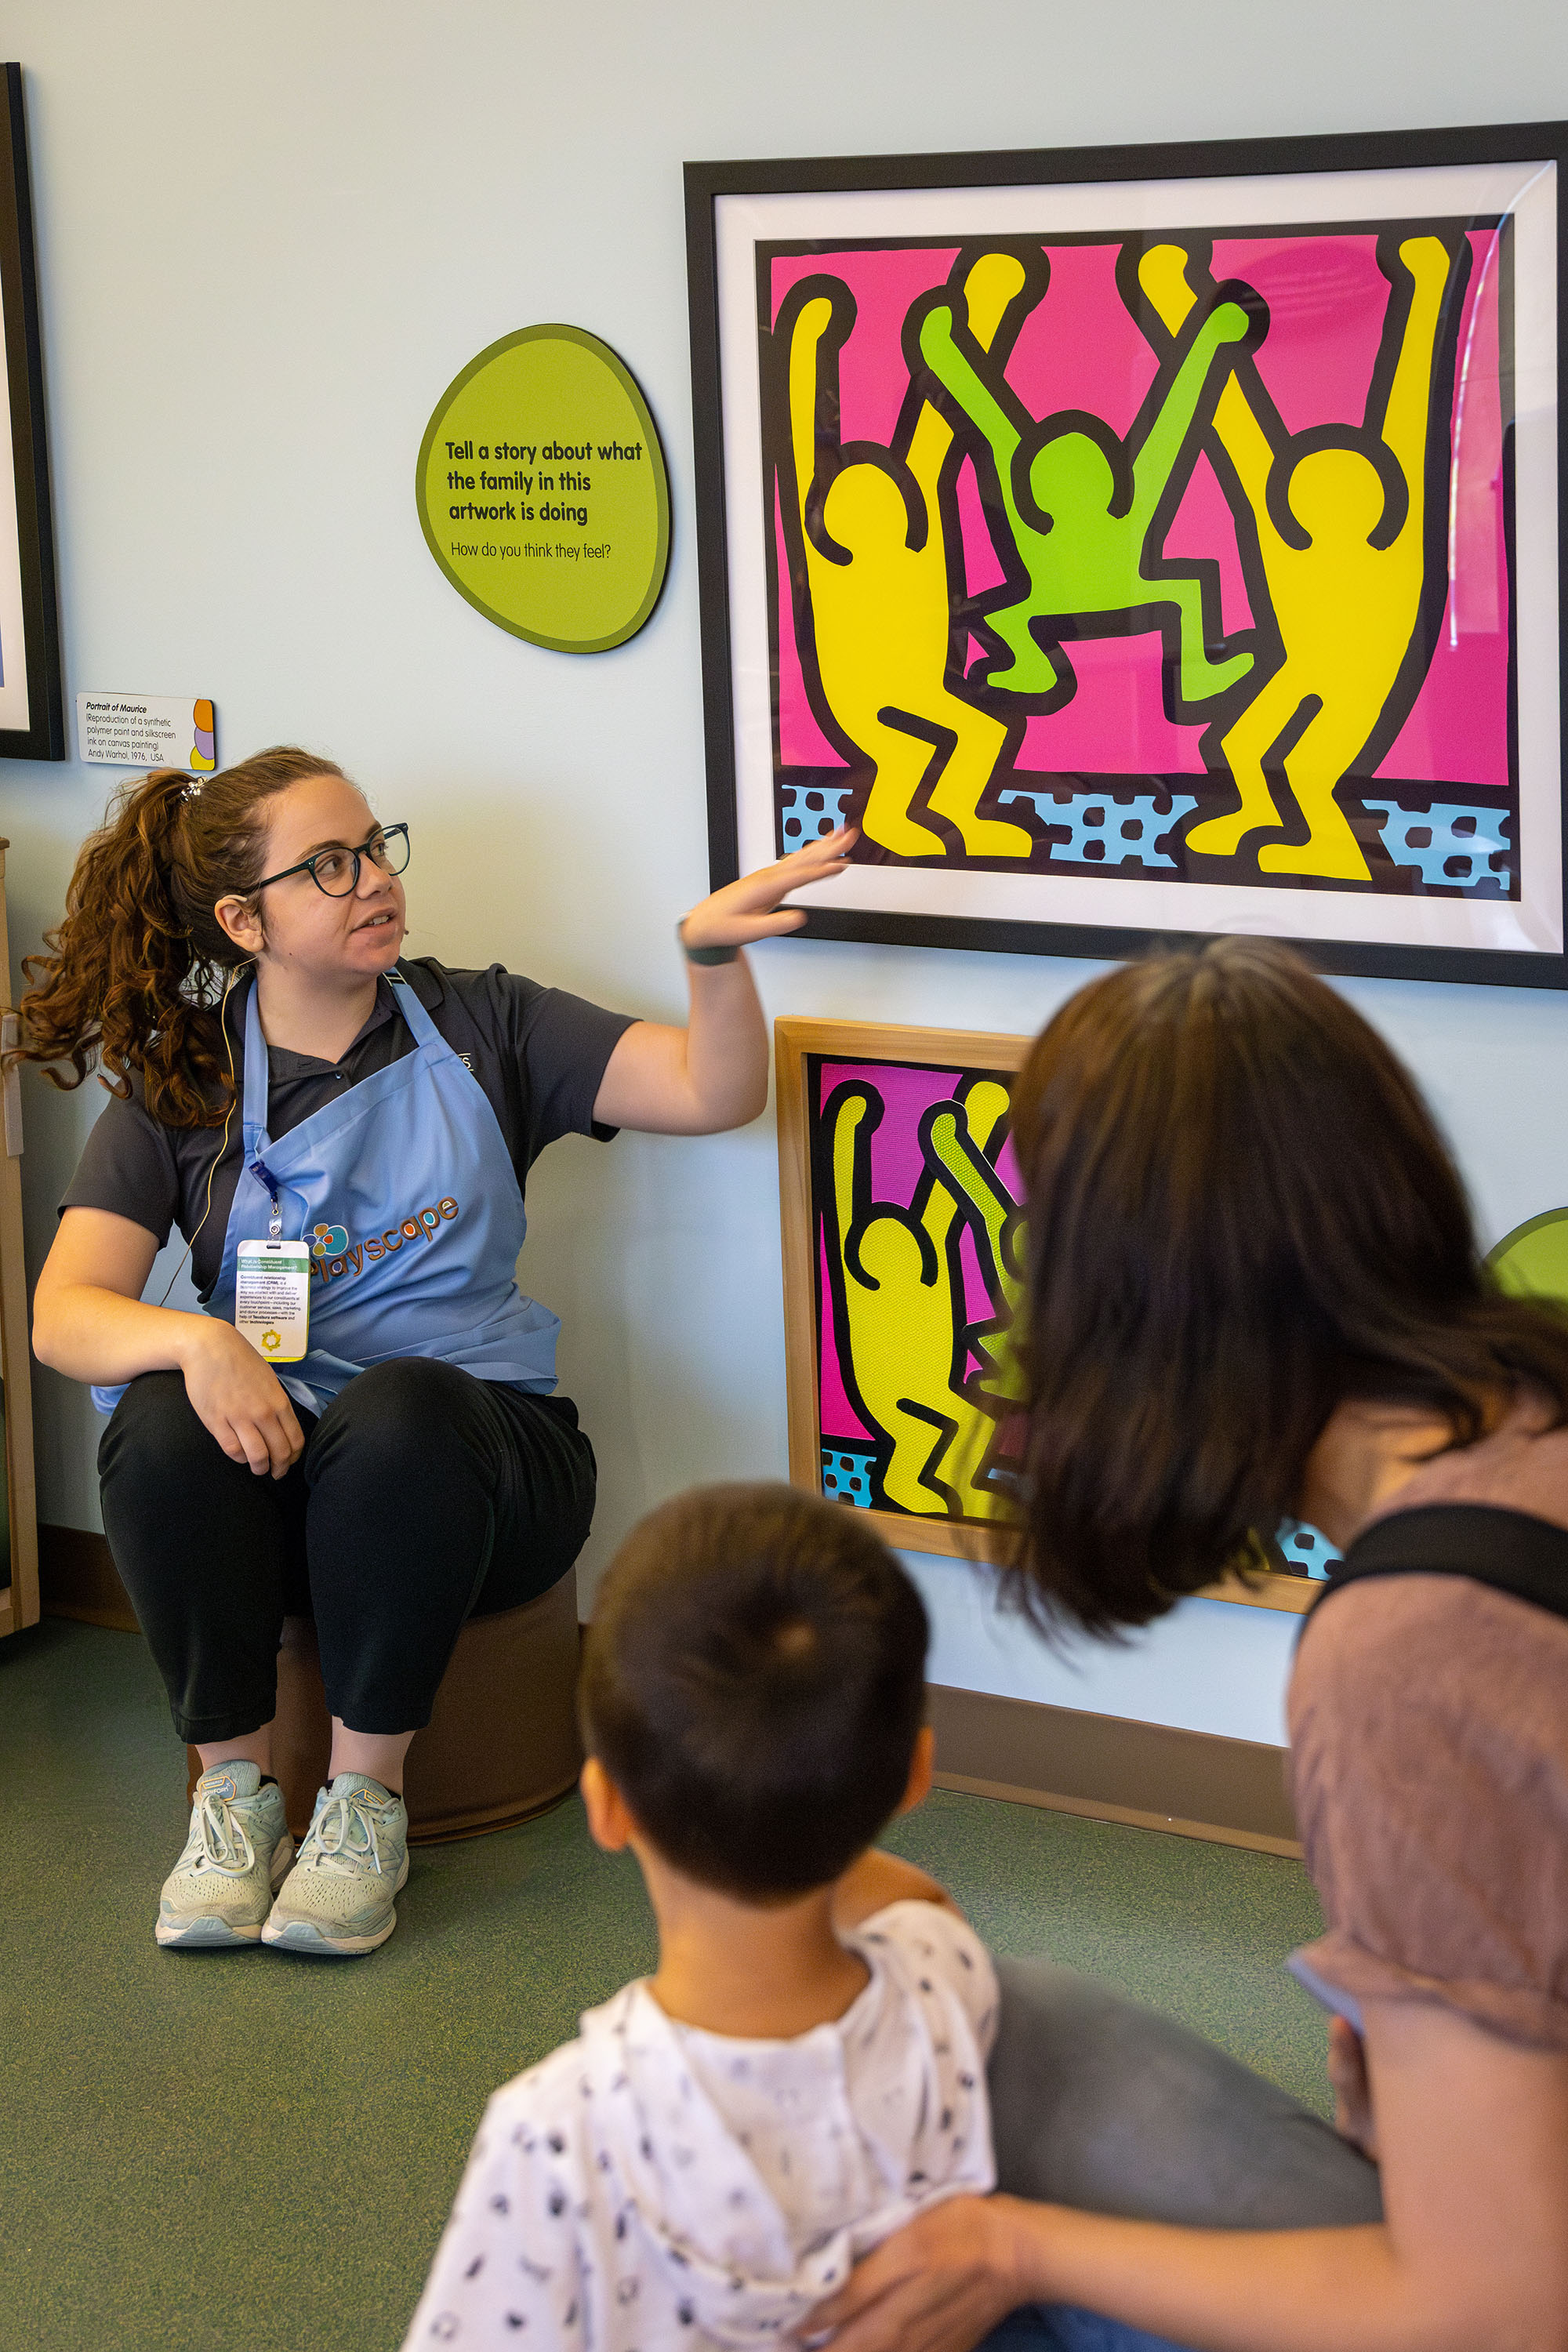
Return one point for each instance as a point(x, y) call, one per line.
point(43, 735)
point(1484, 926)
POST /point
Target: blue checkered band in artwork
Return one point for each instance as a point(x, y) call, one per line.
point(1104, 830)
point(1307, 1550)
point(807, 813)
point(1449, 844)
point(847, 1474)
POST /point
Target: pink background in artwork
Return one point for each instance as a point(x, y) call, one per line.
point(1080, 348)
point(896, 1170)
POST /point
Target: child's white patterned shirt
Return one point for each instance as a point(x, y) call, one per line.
point(650, 2185)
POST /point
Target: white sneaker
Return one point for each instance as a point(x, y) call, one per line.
point(337, 1901)
point(220, 1890)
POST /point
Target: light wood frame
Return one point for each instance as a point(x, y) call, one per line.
point(795, 1042)
point(19, 1598)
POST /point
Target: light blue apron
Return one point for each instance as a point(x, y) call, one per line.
point(407, 1193)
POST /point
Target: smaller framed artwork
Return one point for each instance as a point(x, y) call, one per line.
point(903, 1237)
point(32, 710)
point(1139, 543)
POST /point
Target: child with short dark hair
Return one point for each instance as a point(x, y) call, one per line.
point(807, 2068)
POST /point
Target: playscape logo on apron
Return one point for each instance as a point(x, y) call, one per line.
point(333, 1254)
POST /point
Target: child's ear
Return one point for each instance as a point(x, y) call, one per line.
point(922, 1764)
point(610, 1824)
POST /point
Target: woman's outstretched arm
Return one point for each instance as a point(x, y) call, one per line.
point(713, 1074)
point(1472, 2256)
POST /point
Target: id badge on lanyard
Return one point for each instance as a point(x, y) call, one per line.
point(273, 1288)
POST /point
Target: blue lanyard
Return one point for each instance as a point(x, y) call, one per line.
point(259, 1169)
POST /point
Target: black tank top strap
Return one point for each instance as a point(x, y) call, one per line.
point(1512, 1551)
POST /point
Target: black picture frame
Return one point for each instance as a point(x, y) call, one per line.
point(42, 735)
point(708, 183)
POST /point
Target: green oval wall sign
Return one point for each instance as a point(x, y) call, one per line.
point(543, 492)
point(1532, 1261)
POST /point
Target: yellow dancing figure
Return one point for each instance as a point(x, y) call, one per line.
point(875, 567)
point(958, 1139)
point(1344, 517)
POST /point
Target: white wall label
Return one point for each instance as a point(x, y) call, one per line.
point(146, 731)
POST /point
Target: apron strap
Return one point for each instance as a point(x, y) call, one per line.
point(421, 1028)
point(258, 1080)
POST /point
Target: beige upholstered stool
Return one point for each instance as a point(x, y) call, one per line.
point(501, 1743)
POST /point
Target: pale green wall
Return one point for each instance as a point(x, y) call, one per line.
point(268, 236)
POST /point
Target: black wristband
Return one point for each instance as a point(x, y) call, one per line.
point(703, 955)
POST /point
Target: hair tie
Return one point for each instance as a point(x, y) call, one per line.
point(192, 792)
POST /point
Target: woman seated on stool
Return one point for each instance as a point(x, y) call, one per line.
point(231, 951)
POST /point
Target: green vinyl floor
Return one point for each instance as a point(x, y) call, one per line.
point(235, 2150)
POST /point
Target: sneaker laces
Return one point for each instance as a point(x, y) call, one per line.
point(225, 1844)
point(337, 1849)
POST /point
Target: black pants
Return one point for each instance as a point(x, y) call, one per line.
point(423, 1496)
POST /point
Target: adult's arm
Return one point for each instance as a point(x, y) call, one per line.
point(713, 1074)
point(1472, 2255)
point(90, 1322)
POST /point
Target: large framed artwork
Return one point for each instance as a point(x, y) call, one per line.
point(32, 711)
point(902, 1262)
point(1139, 542)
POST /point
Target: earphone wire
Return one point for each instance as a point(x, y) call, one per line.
point(223, 1139)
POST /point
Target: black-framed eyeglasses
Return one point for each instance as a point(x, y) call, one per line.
point(337, 871)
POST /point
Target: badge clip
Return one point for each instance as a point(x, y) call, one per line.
point(275, 1222)
point(272, 1286)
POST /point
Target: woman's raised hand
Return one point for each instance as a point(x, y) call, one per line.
point(749, 909)
point(239, 1398)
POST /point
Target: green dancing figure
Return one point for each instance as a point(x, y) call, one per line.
point(1087, 511)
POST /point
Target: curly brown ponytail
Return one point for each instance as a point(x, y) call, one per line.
point(137, 969)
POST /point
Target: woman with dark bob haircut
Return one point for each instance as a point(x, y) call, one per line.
point(1253, 1292)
